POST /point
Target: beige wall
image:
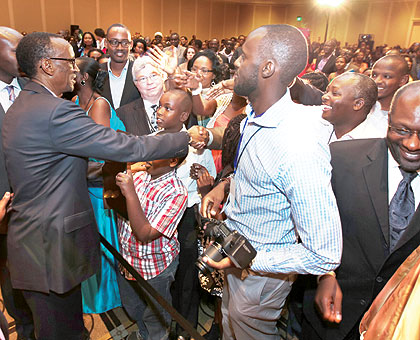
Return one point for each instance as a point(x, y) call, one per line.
point(389, 21)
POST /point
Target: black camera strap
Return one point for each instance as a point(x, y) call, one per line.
point(147, 287)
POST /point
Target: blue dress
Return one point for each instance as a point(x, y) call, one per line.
point(100, 292)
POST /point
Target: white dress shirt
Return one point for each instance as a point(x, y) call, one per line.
point(4, 94)
point(116, 84)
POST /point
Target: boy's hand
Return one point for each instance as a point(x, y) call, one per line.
point(125, 183)
point(199, 135)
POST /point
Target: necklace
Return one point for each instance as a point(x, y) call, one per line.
point(87, 104)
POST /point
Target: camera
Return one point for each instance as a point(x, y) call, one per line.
point(226, 243)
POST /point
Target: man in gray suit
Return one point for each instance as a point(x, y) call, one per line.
point(53, 241)
point(10, 87)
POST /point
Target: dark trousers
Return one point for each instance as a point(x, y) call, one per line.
point(309, 333)
point(13, 299)
point(186, 288)
point(57, 316)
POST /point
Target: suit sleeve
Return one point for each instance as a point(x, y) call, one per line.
point(74, 133)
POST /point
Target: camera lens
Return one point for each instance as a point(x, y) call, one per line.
point(214, 252)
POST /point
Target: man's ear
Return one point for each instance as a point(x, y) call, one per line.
point(173, 162)
point(404, 80)
point(268, 69)
point(47, 66)
point(184, 116)
point(358, 104)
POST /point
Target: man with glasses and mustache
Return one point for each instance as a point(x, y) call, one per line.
point(53, 242)
point(119, 88)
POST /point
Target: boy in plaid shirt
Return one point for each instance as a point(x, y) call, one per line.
point(156, 200)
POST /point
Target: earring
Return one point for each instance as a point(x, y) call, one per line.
point(212, 83)
point(83, 83)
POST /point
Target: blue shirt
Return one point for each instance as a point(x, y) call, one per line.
point(282, 190)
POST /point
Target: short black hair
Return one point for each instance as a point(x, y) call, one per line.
point(186, 99)
point(117, 25)
point(32, 48)
point(100, 32)
point(95, 50)
point(364, 87)
point(287, 45)
point(402, 63)
point(93, 69)
point(216, 65)
point(317, 79)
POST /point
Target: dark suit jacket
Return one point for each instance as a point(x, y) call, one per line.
point(329, 67)
point(53, 240)
point(134, 117)
point(360, 184)
point(4, 183)
point(130, 91)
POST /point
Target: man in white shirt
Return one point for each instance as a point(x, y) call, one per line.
point(347, 102)
point(389, 73)
point(119, 88)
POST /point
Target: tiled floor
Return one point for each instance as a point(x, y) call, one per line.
point(99, 330)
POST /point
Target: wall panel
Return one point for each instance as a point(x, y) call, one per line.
point(152, 18)
point(377, 22)
point(187, 24)
point(218, 14)
point(85, 14)
point(4, 14)
point(132, 15)
point(230, 20)
point(27, 15)
point(261, 16)
point(278, 14)
point(399, 24)
point(109, 12)
point(216, 18)
point(246, 14)
point(203, 20)
point(171, 16)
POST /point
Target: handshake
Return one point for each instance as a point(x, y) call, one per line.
point(199, 137)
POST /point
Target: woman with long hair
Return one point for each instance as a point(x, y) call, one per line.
point(100, 292)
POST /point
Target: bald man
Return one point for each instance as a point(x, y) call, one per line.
point(377, 186)
point(272, 195)
point(10, 87)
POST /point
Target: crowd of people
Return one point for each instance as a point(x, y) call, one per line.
point(310, 151)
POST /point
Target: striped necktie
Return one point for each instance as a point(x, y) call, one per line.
point(11, 92)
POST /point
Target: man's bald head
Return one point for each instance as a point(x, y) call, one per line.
point(396, 61)
point(9, 39)
point(285, 44)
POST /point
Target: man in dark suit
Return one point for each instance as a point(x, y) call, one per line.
point(326, 63)
point(119, 88)
point(53, 242)
point(10, 86)
point(365, 177)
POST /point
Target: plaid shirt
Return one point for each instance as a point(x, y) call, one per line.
point(163, 201)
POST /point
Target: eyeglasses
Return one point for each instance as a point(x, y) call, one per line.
point(72, 61)
point(203, 70)
point(123, 43)
point(152, 77)
point(403, 132)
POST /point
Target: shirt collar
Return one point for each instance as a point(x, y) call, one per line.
point(124, 69)
point(274, 115)
point(14, 82)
